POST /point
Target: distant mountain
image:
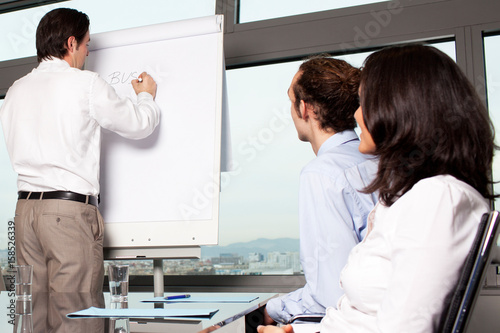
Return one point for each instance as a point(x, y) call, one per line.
point(261, 245)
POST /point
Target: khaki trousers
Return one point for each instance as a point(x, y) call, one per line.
point(63, 240)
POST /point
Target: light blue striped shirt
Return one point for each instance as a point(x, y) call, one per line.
point(332, 217)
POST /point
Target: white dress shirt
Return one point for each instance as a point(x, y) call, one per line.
point(52, 120)
point(397, 278)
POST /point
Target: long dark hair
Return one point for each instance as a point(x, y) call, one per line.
point(425, 119)
point(54, 30)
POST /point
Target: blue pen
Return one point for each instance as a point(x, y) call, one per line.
point(177, 297)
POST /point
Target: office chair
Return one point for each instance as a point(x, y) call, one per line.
point(484, 252)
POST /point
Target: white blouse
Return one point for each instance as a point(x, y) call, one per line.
point(397, 278)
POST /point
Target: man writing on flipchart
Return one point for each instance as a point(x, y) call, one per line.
point(52, 120)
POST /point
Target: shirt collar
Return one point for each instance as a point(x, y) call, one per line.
point(54, 62)
point(338, 139)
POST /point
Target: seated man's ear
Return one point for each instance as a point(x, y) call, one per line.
point(306, 110)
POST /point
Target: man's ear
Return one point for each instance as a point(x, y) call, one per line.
point(71, 44)
point(305, 110)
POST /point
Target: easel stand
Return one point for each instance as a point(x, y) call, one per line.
point(157, 255)
point(159, 287)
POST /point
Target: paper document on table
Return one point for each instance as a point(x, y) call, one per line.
point(144, 313)
point(205, 299)
point(306, 328)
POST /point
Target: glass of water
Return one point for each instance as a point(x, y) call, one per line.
point(119, 325)
point(23, 321)
point(118, 282)
point(23, 282)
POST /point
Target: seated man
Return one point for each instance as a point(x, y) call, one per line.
point(332, 213)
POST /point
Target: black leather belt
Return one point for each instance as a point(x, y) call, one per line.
point(63, 195)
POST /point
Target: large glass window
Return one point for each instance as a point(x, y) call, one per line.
point(256, 10)
point(258, 204)
point(491, 51)
point(17, 39)
point(259, 197)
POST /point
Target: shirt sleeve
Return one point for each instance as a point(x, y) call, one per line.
point(121, 115)
point(436, 224)
point(283, 308)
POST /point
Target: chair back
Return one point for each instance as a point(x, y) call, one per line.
point(482, 254)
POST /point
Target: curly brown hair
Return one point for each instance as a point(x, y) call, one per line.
point(331, 87)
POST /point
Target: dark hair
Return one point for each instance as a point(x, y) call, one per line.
point(425, 119)
point(331, 87)
point(54, 30)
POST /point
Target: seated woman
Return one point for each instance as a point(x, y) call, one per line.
point(420, 115)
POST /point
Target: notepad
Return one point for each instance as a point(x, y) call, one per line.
point(143, 313)
point(205, 299)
